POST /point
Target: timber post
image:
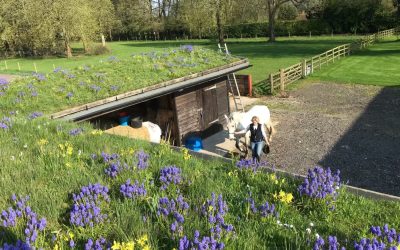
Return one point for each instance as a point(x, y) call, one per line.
point(271, 83)
point(282, 79)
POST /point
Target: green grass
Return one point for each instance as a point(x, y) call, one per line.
point(376, 65)
point(63, 88)
point(34, 163)
point(264, 57)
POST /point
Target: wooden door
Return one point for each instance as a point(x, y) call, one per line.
point(210, 106)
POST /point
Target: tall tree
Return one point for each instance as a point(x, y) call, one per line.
point(273, 7)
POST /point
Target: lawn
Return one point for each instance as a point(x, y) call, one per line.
point(376, 65)
point(264, 57)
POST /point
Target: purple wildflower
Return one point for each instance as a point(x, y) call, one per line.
point(214, 210)
point(132, 191)
point(142, 160)
point(168, 175)
point(35, 115)
point(251, 164)
point(58, 69)
point(76, 131)
point(187, 48)
point(3, 84)
point(39, 77)
point(95, 88)
point(86, 210)
point(174, 210)
point(320, 183)
point(114, 88)
point(113, 169)
point(99, 244)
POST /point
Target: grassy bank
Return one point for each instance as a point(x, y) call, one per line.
point(50, 161)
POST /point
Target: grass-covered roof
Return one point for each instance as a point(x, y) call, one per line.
point(64, 88)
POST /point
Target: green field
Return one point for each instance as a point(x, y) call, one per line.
point(264, 57)
point(376, 65)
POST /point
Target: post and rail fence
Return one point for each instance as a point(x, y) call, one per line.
point(288, 75)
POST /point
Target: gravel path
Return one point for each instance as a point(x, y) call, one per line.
point(353, 128)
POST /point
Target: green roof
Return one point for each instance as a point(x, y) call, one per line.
point(65, 89)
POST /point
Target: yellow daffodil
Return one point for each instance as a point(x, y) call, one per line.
point(123, 246)
point(186, 154)
point(43, 142)
point(116, 246)
point(284, 197)
point(97, 132)
point(143, 241)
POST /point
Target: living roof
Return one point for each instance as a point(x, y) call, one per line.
point(112, 79)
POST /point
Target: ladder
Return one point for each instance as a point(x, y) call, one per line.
point(232, 82)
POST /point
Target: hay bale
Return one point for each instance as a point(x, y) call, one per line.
point(127, 131)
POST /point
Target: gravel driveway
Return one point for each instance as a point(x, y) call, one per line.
point(353, 128)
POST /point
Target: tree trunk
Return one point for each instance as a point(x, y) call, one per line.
point(85, 47)
point(68, 50)
point(219, 24)
point(271, 25)
point(67, 46)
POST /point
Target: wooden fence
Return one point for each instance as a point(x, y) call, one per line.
point(300, 70)
point(370, 39)
point(284, 77)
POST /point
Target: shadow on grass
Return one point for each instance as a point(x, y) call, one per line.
point(368, 155)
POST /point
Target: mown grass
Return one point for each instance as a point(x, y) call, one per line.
point(264, 57)
point(33, 163)
point(375, 65)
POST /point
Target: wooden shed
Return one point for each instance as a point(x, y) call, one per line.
point(191, 104)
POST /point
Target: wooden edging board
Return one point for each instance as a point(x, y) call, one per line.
point(354, 190)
